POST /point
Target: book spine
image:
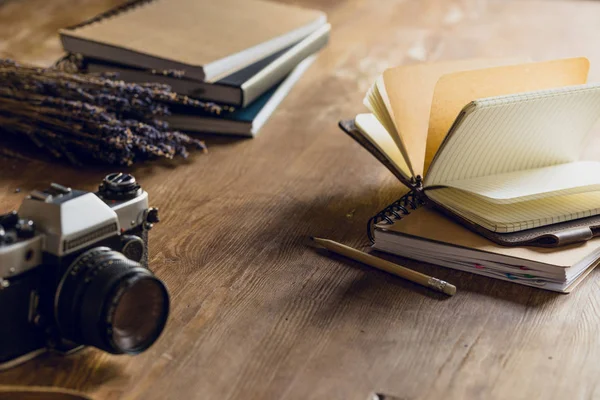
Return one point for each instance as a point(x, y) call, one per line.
point(399, 208)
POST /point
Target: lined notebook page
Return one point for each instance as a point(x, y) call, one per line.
point(517, 132)
point(455, 90)
point(517, 216)
point(561, 179)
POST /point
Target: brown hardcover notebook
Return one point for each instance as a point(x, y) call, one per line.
point(499, 149)
point(427, 236)
point(207, 39)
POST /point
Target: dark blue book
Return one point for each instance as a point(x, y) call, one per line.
point(244, 121)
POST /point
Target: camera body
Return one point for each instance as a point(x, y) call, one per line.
point(68, 258)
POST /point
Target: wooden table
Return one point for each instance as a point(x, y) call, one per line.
point(258, 315)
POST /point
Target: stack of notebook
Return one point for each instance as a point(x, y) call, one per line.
point(500, 151)
point(428, 236)
point(243, 53)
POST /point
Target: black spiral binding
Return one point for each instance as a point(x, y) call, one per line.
point(127, 6)
point(398, 209)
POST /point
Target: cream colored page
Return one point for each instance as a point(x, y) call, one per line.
point(519, 216)
point(381, 89)
point(410, 92)
point(368, 100)
point(197, 32)
point(531, 184)
point(454, 90)
point(429, 224)
point(517, 132)
point(375, 103)
point(373, 131)
point(388, 121)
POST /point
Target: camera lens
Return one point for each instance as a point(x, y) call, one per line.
point(138, 313)
point(111, 302)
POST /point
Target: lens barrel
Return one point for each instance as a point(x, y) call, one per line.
point(110, 302)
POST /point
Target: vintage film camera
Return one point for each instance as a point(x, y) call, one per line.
point(74, 271)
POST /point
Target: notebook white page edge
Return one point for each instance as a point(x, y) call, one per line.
point(433, 246)
point(579, 270)
point(556, 287)
point(532, 280)
point(282, 66)
point(235, 62)
point(485, 260)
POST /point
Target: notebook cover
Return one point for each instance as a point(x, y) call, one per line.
point(249, 113)
point(236, 81)
point(231, 121)
point(238, 78)
point(430, 225)
point(246, 121)
point(194, 32)
point(197, 89)
point(284, 65)
point(555, 235)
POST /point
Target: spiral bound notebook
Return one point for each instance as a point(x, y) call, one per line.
point(427, 236)
point(509, 163)
point(207, 39)
point(239, 89)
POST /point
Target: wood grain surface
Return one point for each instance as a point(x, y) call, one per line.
point(258, 315)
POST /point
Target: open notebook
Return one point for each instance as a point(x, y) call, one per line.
point(498, 147)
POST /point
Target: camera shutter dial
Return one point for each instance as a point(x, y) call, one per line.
point(119, 186)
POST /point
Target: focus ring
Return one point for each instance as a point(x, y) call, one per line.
point(94, 287)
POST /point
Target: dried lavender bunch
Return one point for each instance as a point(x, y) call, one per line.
point(92, 119)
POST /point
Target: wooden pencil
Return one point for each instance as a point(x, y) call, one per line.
point(384, 265)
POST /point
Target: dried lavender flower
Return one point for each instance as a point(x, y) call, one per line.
point(92, 119)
